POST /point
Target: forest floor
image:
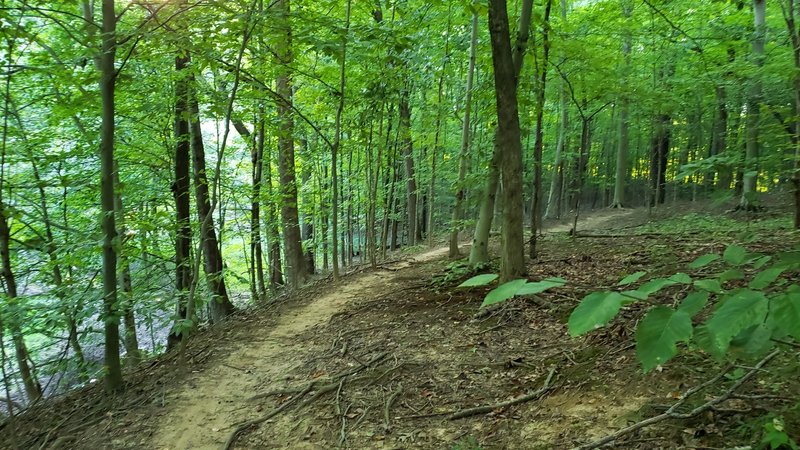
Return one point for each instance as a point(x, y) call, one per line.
point(388, 357)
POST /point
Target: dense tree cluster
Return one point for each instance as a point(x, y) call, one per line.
point(166, 162)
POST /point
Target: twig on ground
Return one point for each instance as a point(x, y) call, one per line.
point(52, 430)
point(360, 419)
point(232, 438)
point(387, 420)
point(672, 412)
point(489, 408)
point(339, 375)
point(343, 432)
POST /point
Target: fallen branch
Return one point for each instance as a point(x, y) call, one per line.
point(232, 438)
point(387, 420)
point(489, 408)
point(672, 413)
point(380, 357)
point(314, 385)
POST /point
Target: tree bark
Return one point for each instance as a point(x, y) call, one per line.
point(335, 150)
point(108, 77)
point(408, 160)
point(180, 190)
point(220, 305)
point(536, 198)
point(621, 172)
point(512, 262)
point(750, 178)
point(292, 242)
point(463, 158)
point(479, 253)
point(132, 353)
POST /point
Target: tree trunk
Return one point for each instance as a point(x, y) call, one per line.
point(408, 159)
point(794, 34)
point(32, 387)
point(455, 226)
point(512, 262)
point(336, 147)
point(479, 254)
point(108, 76)
point(292, 242)
point(553, 209)
point(307, 226)
point(255, 212)
point(749, 181)
point(220, 305)
point(536, 198)
point(132, 353)
point(659, 156)
point(180, 189)
point(719, 136)
point(621, 172)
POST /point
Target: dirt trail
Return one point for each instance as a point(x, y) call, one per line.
point(598, 220)
point(201, 414)
point(203, 411)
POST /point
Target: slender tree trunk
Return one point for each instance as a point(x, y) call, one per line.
point(292, 242)
point(621, 172)
point(479, 253)
point(180, 189)
point(336, 147)
point(255, 216)
point(553, 209)
point(794, 34)
point(753, 118)
point(659, 157)
point(536, 198)
point(108, 76)
point(455, 226)
point(512, 262)
point(438, 134)
point(132, 353)
point(307, 226)
point(220, 305)
point(408, 159)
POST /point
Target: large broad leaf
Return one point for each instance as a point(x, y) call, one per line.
point(694, 303)
point(682, 278)
point(734, 255)
point(540, 286)
point(766, 277)
point(703, 261)
point(653, 286)
point(730, 274)
point(594, 311)
point(709, 285)
point(784, 314)
point(755, 340)
point(658, 333)
point(503, 292)
point(479, 280)
point(632, 278)
point(738, 312)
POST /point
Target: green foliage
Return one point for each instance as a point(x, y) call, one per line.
point(512, 288)
point(740, 322)
point(774, 435)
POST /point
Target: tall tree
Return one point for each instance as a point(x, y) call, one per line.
point(553, 209)
point(463, 156)
point(220, 305)
point(335, 149)
point(292, 240)
point(108, 78)
point(753, 118)
point(621, 172)
point(512, 262)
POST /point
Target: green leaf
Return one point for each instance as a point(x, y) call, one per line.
point(632, 278)
point(784, 314)
point(753, 341)
point(540, 286)
point(658, 333)
point(693, 303)
point(734, 255)
point(759, 263)
point(632, 296)
point(681, 278)
point(704, 260)
point(710, 285)
point(479, 280)
point(653, 286)
point(730, 274)
point(503, 292)
point(738, 312)
point(765, 277)
point(594, 311)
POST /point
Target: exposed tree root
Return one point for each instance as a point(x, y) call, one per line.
point(515, 401)
point(672, 412)
point(320, 390)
